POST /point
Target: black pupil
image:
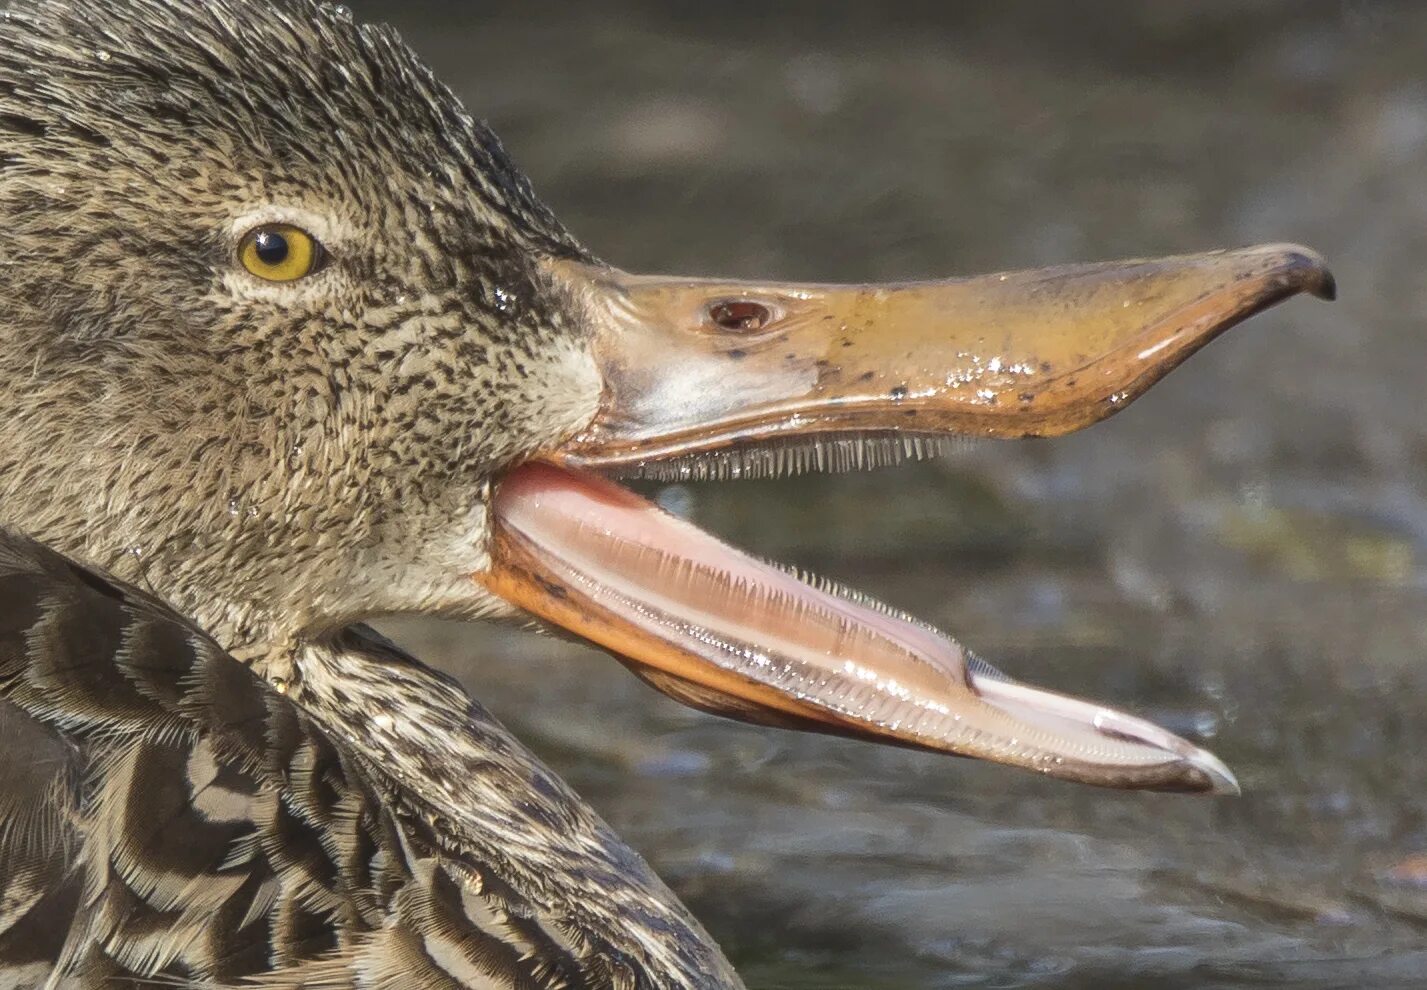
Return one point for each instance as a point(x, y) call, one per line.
point(271, 247)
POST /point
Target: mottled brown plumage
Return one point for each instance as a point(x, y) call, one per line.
point(272, 463)
point(287, 343)
point(167, 814)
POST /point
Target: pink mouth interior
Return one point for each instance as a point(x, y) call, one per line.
point(872, 669)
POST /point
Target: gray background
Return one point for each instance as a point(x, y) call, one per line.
point(1240, 555)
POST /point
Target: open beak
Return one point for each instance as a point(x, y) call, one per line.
point(700, 373)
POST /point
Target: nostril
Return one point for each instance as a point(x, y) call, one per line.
point(740, 315)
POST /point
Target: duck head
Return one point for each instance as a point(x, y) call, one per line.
point(287, 338)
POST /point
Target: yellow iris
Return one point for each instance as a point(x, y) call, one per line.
point(279, 252)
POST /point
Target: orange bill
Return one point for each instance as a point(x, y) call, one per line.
point(693, 366)
point(698, 370)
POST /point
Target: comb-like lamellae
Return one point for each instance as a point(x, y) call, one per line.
point(720, 629)
point(826, 454)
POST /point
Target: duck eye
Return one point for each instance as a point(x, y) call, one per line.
point(279, 253)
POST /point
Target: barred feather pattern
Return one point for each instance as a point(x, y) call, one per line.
point(167, 818)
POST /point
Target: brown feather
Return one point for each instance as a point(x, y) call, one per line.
point(274, 463)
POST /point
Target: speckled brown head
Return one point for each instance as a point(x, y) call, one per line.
point(279, 316)
point(270, 455)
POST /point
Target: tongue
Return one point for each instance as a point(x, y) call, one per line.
point(715, 628)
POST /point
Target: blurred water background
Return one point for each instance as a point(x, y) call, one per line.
point(1240, 555)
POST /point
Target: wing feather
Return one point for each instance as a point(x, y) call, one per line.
point(167, 818)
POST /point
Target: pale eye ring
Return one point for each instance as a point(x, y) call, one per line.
point(280, 252)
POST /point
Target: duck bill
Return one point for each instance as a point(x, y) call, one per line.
point(695, 369)
point(721, 631)
point(698, 366)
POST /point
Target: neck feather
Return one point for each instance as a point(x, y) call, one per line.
point(493, 804)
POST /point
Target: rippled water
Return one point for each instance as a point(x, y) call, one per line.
point(1240, 555)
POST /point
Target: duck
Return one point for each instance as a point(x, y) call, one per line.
point(288, 344)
